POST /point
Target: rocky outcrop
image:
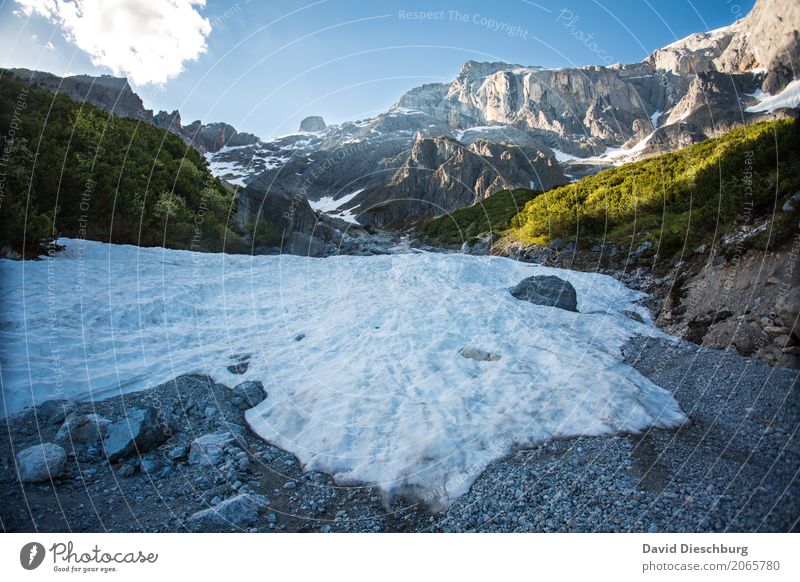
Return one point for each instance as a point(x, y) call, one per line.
point(766, 39)
point(746, 302)
point(204, 138)
point(440, 175)
point(295, 227)
point(313, 123)
point(113, 94)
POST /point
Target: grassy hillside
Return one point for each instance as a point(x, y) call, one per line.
point(493, 213)
point(71, 169)
point(677, 198)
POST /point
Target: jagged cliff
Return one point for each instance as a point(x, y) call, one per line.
point(499, 125)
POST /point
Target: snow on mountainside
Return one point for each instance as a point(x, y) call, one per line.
point(496, 125)
point(520, 126)
point(364, 374)
point(789, 97)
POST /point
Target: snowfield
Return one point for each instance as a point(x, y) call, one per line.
point(789, 97)
point(376, 390)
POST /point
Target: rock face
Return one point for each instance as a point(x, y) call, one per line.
point(751, 305)
point(41, 463)
point(440, 174)
point(204, 138)
point(296, 228)
point(767, 39)
point(240, 511)
point(113, 94)
point(481, 246)
point(312, 124)
point(139, 432)
point(547, 290)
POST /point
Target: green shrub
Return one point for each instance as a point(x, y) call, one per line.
point(674, 199)
point(76, 170)
point(493, 213)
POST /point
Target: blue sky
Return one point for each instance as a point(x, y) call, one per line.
point(266, 65)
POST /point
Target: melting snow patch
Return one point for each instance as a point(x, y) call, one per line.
point(789, 98)
point(378, 391)
point(328, 205)
point(654, 119)
point(562, 156)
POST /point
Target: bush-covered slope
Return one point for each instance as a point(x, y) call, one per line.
point(677, 198)
point(493, 213)
point(72, 169)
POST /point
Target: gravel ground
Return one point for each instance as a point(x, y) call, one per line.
point(733, 467)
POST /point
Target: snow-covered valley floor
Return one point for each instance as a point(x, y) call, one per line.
point(359, 355)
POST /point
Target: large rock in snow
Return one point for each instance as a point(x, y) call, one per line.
point(547, 290)
point(41, 463)
point(248, 394)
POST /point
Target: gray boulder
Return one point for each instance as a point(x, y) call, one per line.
point(482, 245)
point(249, 393)
point(54, 412)
point(140, 431)
point(239, 511)
point(82, 429)
point(209, 449)
point(41, 463)
point(547, 290)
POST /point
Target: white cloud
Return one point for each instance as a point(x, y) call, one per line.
point(149, 41)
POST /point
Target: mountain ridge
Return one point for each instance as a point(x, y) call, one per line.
point(114, 94)
point(499, 126)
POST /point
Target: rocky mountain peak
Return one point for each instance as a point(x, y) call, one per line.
point(312, 124)
point(476, 69)
point(767, 39)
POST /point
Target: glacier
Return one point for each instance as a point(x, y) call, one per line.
point(376, 390)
